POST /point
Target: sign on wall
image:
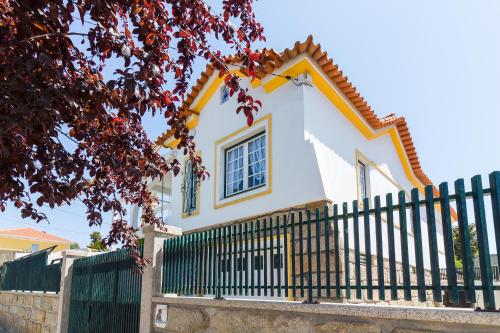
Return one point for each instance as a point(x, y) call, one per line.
point(160, 320)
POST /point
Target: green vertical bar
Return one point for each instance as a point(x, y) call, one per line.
point(357, 257)
point(380, 254)
point(192, 259)
point(214, 262)
point(178, 267)
point(368, 248)
point(495, 205)
point(301, 254)
point(309, 258)
point(175, 258)
point(259, 262)
point(185, 266)
point(240, 259)
point(278, 252)
point(404, 245)
point(246, 258)
point(327, 251)
point(482, 242)
point(264, 226)
point(285, 255)
point(170, 267)
point(347, 261)
point(220, 256)
point(292, 229)
point(433, 245)
point(463, 225)
point(185, 263)
point(229, 260)
point(336, 250)
point(392, 247)
point(451, 272)
point(224, 262)
point(419, 260)
point(235, 260)
point(271, 257)
point(318, 253)
point(165, 267)
point(206, 265)
point(252, 260)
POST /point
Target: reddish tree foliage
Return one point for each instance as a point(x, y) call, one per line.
point(67, 132)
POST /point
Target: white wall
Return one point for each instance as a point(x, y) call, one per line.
point(335, 141)
point(313, 157)
point(295, 175)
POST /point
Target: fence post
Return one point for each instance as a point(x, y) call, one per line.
point(68, 257)
point(152, 275)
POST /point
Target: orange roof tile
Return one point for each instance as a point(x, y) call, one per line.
point(33, 234)
point(272, 60)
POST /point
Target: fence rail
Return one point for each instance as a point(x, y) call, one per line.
point(318, 254)
point(32, 273)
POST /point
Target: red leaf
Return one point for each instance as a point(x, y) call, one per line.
point(249, 120)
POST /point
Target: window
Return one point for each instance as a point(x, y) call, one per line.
point(363, 187)
point(34, 248)
point(245, 165)
point(190, 189)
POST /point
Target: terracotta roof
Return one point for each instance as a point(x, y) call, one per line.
point(32, 234)
point(272, 60)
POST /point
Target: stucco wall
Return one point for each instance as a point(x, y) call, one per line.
point(336, 142)
point(207, 315)
point(295, 175)
point(28, 312)
point(25, 244)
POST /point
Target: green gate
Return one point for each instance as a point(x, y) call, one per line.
point(105, 294)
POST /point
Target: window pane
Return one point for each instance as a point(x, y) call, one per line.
point(234, 170)
point(256, 161)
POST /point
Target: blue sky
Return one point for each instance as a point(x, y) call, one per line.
point(437, 63)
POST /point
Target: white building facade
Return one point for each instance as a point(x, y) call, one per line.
point(314, 139)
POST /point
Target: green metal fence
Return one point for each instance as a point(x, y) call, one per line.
point(395, 251)
point(105, 294)
point(32, 273)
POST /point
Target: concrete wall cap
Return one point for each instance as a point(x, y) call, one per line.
point(443, 315)
point(78, 253)
point(169, 230)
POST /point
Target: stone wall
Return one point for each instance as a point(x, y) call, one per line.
point(207, 315)
point(28, 312)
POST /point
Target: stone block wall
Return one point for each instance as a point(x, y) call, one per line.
point(28, 312)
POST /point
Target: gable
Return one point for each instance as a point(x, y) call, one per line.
point(307, 57)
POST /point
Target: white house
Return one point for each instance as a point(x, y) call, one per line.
point(316, 138)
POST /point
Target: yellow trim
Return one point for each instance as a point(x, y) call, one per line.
point(192, 121)
point(197, 211)
point(305, 66)
point(269, 134)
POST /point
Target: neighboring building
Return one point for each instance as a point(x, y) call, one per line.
point(315, 140)
point(30, 240)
